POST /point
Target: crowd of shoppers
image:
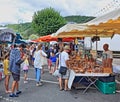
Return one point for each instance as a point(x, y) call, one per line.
point(37, 55)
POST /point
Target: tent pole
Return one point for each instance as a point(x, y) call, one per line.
point(14, 40)
point(96, 44)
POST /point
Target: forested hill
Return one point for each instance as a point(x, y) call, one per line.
point(79, 19)
point(25, 29)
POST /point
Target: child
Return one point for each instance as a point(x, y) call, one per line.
point(6, 73)
point(25, 68)
point(53, 60)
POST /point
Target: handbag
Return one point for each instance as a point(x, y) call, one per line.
point(63, 70)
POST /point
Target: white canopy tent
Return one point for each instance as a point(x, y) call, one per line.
point(70, 28)
point(5, 29)
point(106, 17)
point(104, 26)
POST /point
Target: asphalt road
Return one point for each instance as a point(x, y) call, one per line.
point(49, 92)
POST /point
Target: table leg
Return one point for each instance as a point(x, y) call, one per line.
point(91, 83)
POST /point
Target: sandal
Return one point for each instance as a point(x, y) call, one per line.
point(67, 89)
point(61, 89)
point(9, 91)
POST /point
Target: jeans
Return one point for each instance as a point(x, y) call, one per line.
point(37, 74)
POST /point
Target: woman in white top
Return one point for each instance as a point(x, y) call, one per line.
point(39, 53)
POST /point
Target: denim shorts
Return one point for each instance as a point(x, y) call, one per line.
point(66, 76)
point(16, 77)
point(53, 64)
point(25, 71)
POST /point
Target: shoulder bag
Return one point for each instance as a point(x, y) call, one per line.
point(62, 69)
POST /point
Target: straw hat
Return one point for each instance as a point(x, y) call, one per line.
point(66, 47)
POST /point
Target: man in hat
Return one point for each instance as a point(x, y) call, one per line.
point(107, 57)
point(63, 57)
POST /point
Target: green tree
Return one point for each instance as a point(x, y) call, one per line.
point(47, 21)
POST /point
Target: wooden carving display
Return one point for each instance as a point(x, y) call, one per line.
point(82, 65)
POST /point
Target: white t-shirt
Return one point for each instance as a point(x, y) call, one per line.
point(37, 61)
point(107, 54)
point(62, 59)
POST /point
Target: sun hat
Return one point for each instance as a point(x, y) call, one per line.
point(66, 47)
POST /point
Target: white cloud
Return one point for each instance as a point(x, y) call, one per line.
point(11, 11)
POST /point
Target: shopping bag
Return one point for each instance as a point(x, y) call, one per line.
point(44, 61)
point(56, 73)
point(63, 70)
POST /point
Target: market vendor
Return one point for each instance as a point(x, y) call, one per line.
point(107, 56)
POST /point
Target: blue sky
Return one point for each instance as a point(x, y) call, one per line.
point(20, 11)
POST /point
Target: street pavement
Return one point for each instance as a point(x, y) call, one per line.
point(49, 91)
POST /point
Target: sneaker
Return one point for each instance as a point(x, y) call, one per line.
point(18, 92)
point(25, 82)
point(13, 95)
point(39, 84)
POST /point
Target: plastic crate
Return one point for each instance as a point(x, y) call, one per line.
point(107, 79)
point(106, 88)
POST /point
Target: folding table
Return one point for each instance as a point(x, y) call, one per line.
point(86, 75)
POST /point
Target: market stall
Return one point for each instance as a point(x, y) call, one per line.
point(6, 36)
point(84, 66)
